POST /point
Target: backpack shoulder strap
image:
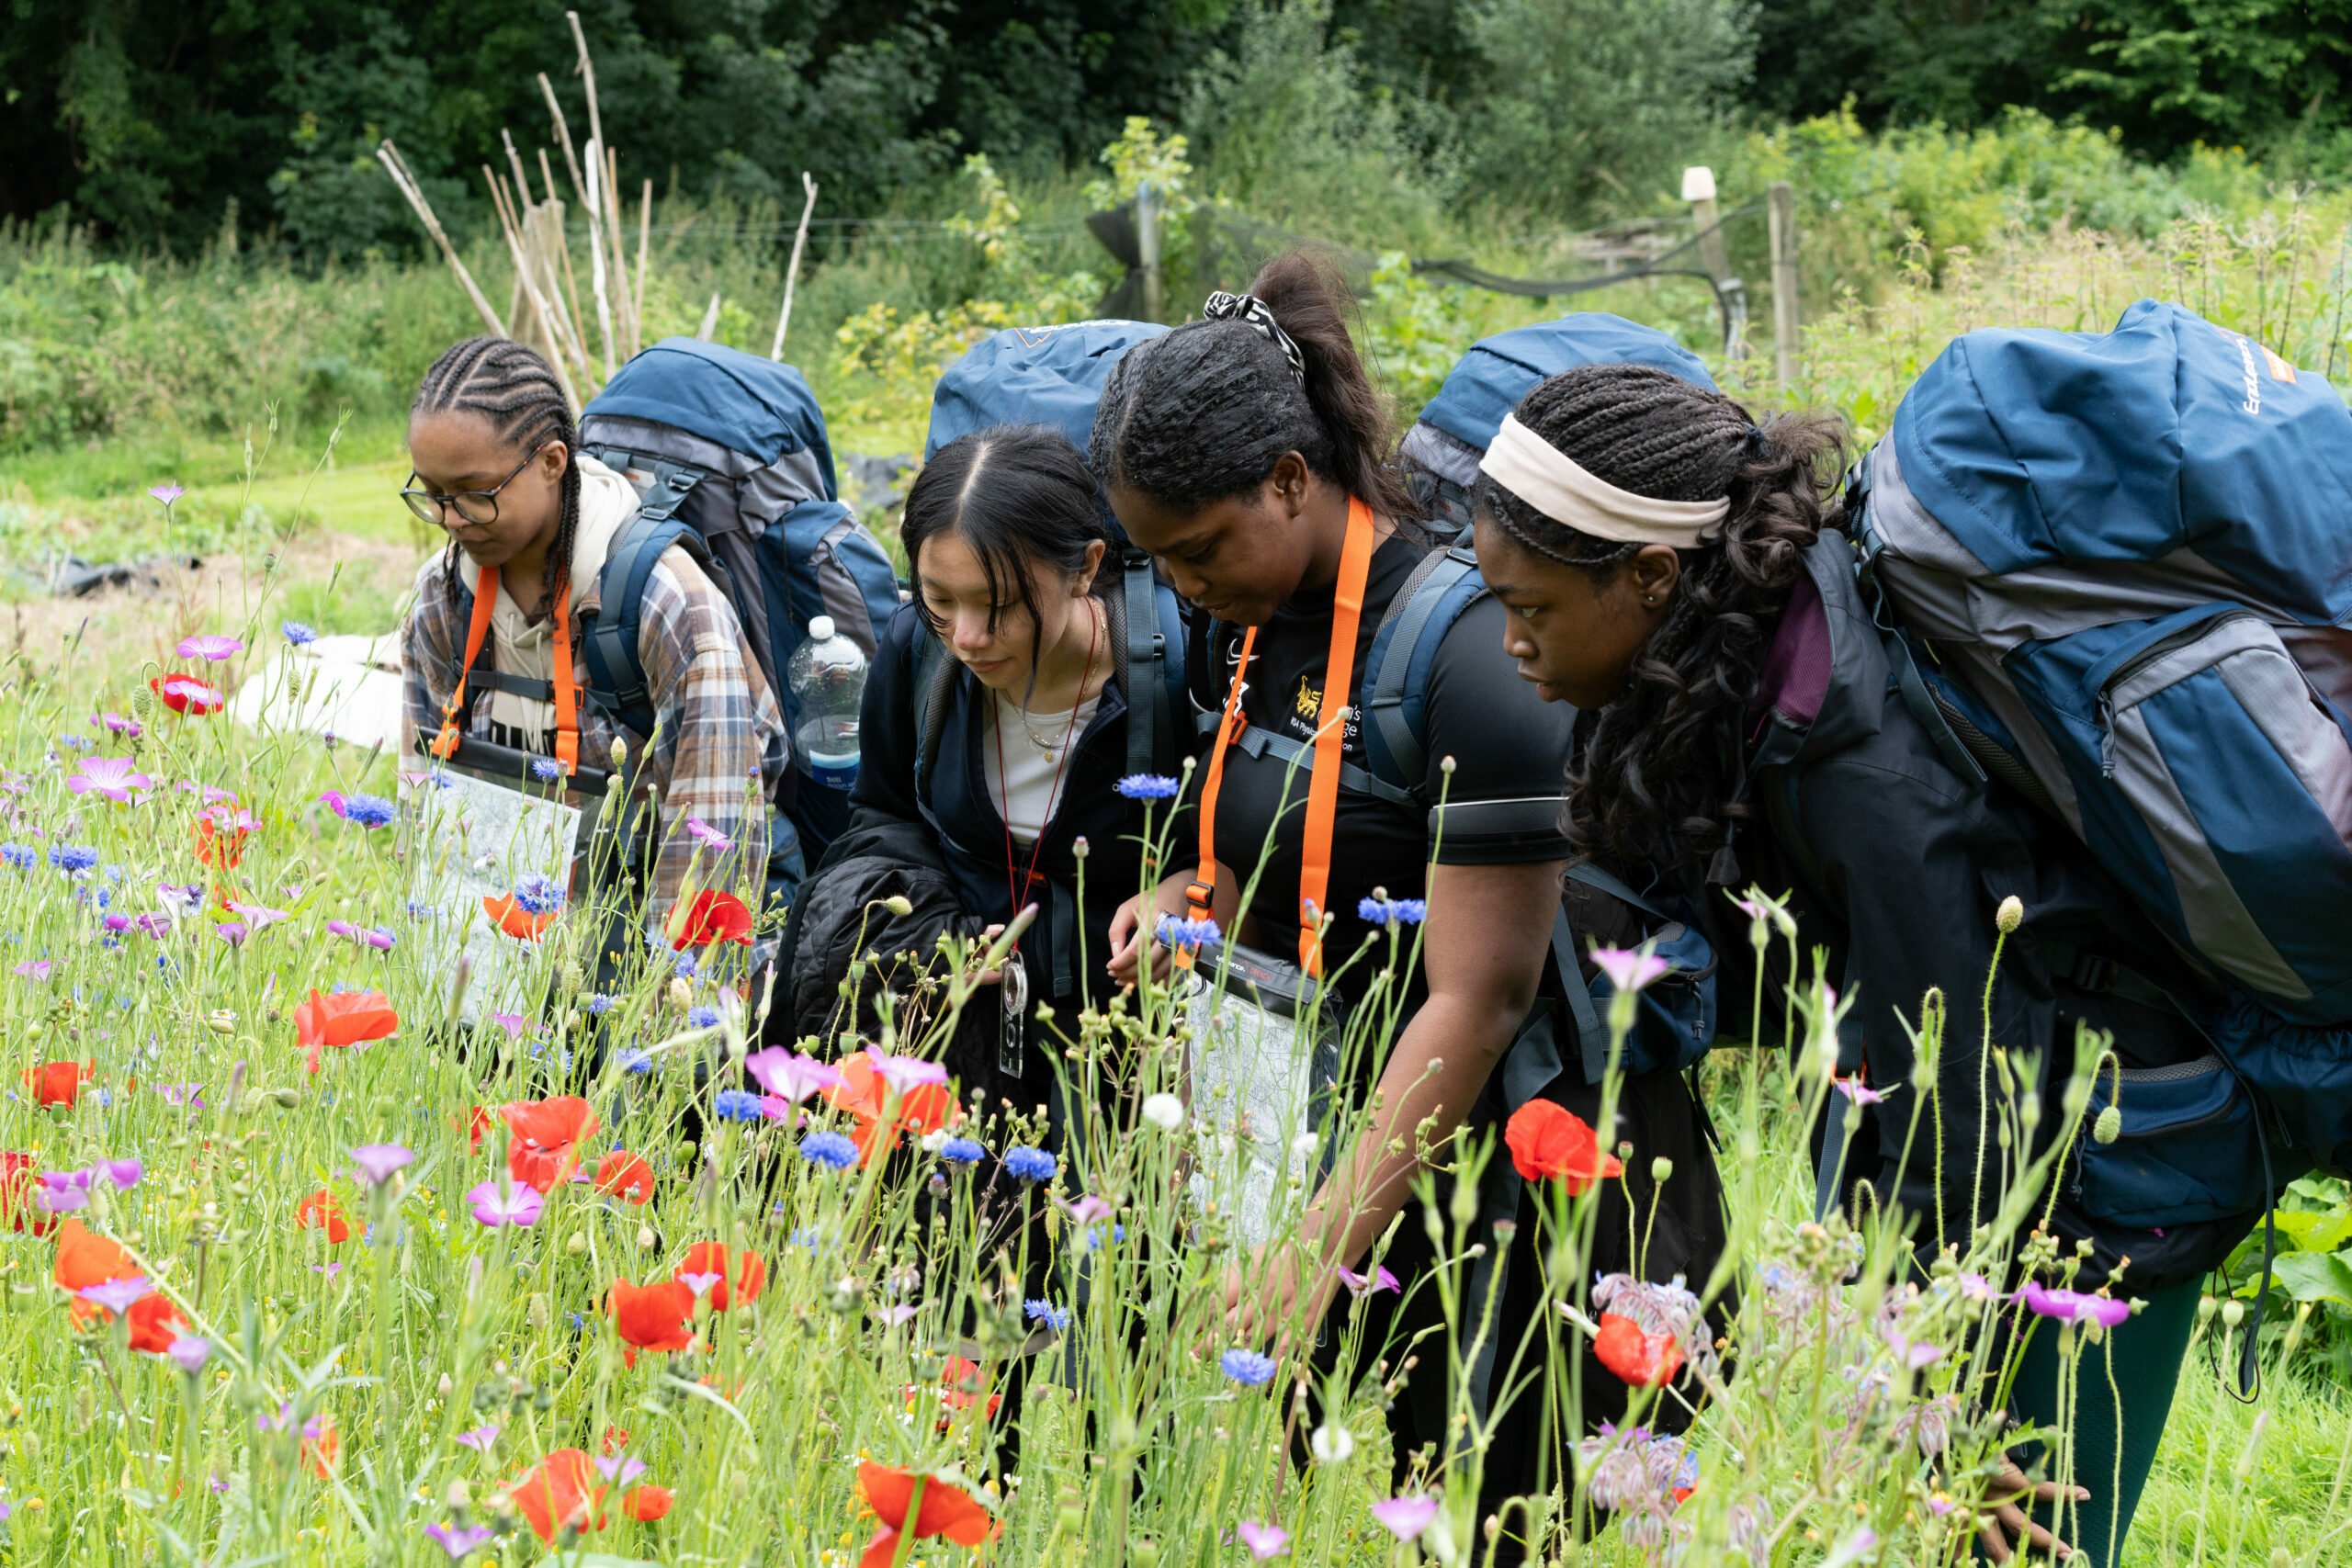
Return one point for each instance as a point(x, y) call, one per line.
point(934, 678)
point(616, 671)
point(1432, 599)
point(1151, 723)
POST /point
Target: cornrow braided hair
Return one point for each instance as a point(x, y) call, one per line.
point(513, 387)
point(1203, 413)
point(1658, 779)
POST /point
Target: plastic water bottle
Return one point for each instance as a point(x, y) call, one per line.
point(827, 676)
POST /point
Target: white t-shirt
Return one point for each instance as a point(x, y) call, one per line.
point(1030, 787)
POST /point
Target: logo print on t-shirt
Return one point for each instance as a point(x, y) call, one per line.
point(1308, 702)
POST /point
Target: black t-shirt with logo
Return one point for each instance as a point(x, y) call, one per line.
point(1507, 746)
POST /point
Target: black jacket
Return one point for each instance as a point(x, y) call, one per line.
point(1901, 863)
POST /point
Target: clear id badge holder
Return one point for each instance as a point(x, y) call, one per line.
point(1263, 1069)
point(487, 828)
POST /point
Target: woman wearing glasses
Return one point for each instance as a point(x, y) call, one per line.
point(492, 647)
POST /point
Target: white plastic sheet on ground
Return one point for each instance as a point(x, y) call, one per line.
point(348, 687)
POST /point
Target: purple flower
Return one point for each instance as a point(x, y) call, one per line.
point(1085, 1208)
point(1913, 1356)
point(619, 1469)
point(64, 1191)
point(113, 777)
point(905, 1073)
point(116, 1295)
point(212, 646)
point(190, 1094)
point(789, 1074)
point(510, 1205)
point(119, 723)
point(2072, 1306)
point(460, 1540)
point(480, 1437)
point(233, 932)
point(1263, 1540)
point(36, 969)
point(1406, 1518)
point(1629, 971)
point(515, 1024)
point(700, 1284)
point(123, 1173)
point(166, 492)
point(1855, 1089)
point(191, 1351)
point(708, 837)
point(1371, 1285)
point(377, 1161)
point(381, 939)
point(185, 896)
point(256, 916)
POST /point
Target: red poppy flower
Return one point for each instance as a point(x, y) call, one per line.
point(186, 695)
point(321, 1445)
point(560, 1491)
point(341, 1020)
point(660, 1316)
point(646, 1504)
point(1646, 1361)
point(712, 916)
point(615, 1439)
point(19, 1174)
point(321, 1211)
point(625, 1175)
point(1551, 1143)
point(220, 837)
point(155, 1324)
point(478, 1125)
point(58, 1083)
point(944, 1509)
point(83, 1259)
point(515, 921)
point(962, 1384)
point(748, 1276)
point(863, 1093)
point(541, 1154)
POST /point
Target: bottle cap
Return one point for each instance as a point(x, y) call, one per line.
point(820, 627)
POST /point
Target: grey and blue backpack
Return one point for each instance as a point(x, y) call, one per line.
point(729, 454)
point(2119, 569)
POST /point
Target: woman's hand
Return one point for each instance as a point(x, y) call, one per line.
point(1265, 1299)
point(2010, 1524)
point(1129, 941)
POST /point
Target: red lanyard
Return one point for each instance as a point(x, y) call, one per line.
point(567, 698)
point(1323, 773)
point(1020, 891)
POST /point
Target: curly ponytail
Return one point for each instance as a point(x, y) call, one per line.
point(1204, 414)
point(1656, 781)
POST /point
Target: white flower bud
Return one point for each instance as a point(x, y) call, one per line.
point(1163, 1110)
point(2010, 915)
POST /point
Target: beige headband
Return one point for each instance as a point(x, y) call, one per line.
point(1563, 489)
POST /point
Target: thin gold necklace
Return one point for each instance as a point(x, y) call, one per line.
point(1046, 745)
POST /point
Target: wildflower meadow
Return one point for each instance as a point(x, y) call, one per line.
point(303, 1267)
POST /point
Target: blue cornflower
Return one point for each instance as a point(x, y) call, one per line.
point(1174, 932)
point(71, 859)
point(1248, 1368)
point(704, 1018)
point(962, 1151)
point(824, 1148)
point(1148, 787)
point(1045, 1312)
point(418, 910)
point(1393, 911)
point(1029, 1164)
point(369, 810)
point(79, 742)
point(299, 633)
point(24, 857)
point(538, 895)
point(546, 768)
point(1094, 1238)
point(599, 1005)
point(740, 1105)
point(636, 1059)
point(686, 968)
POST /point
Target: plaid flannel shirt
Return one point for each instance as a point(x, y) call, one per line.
point(717, 722)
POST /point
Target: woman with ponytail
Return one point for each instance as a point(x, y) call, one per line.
point(1671, 569)
point(498, 470)
point(1247, 452)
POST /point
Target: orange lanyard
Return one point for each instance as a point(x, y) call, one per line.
point(567, 694)
point(1323, 773)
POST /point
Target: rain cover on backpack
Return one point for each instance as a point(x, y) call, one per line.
point(2132, 555)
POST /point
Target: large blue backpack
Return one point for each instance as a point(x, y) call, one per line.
point(1439, 455)
point(729, 454)
point(2122, 567)
point(1053, 376)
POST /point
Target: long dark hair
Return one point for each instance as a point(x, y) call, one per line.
point(516, 390)
point(1203, 413)
point(1020, 497)
point(1656, 779)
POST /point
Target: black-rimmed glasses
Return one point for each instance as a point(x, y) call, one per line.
point(479, 507)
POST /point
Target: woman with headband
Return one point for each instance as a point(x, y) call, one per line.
point(1246, 452)
point(1669, 571)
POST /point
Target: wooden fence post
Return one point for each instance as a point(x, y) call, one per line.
point(1781, 213)
point(1699, 190)
point(1147, 248)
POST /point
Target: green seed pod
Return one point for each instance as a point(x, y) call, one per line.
point(2109, 1125)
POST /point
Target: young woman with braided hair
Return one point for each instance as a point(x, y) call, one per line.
point(497, 468)
point(1246, 452)
point(1671, 568)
